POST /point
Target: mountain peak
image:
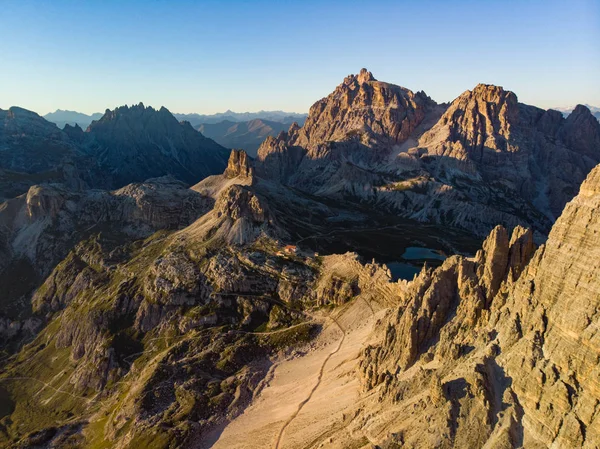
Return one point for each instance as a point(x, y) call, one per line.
point(493, 93)
point(582, 110)
point(365, 76)
point(361, 105)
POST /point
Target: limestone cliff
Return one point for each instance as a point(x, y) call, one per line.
point(485, 159)
point(239, 165)
point(510, 335)
point(384, 112)
point(536, 153)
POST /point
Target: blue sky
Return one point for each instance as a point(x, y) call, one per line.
point(209, 56)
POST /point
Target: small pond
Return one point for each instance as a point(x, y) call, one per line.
point(405, 270)
point(418, 253)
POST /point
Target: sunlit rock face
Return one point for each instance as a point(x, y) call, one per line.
point(536, 153)
point(509, 335)
point(239, 165)
point(483, 160)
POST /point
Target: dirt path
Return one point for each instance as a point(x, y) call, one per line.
point(304, 397)
point(45, 385)
point(305, 401)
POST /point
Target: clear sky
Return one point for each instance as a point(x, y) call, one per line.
point(209, 56)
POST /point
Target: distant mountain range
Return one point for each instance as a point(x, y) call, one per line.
point(595, 110)
point(245, 135)
point(274, 116)
point(61, 117)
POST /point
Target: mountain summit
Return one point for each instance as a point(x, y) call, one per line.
point(482, 160)
point(128, 144)
point(138, 142)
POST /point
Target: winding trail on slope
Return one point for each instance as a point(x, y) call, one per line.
point(45, 385)
point(305, 401)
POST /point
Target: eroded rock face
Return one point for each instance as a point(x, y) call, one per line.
point(554, 309)
point(240, 202)
point(45, 202)
point(537, 153)
point(510, 335)
point(239, 165)
point(277, 158)
point(484, 160)
point(454, 295)
point(375, 114)
point(39, 229)
point(361, 104)
point(45, 223)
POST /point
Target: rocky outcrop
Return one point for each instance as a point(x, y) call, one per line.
point(239, 165)
point(581, 132)
point(452, 297)
point(45, 202)
point(382, 112)
point(129, 144)
point(277, 158)
point(549, 327)
point(238, 202)
point(492, 336)
point(50, 216)
point(372, 116)
point(240, 216)
point(486, 133)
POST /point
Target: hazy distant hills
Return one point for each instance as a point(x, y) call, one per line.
point(61, 117)
point(245, 130)
point(245, 135)
point(274, 116)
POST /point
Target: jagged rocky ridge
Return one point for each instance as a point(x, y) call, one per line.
point(500, 350)
point(154, 337)
point(129, 144)
point(483, 160)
